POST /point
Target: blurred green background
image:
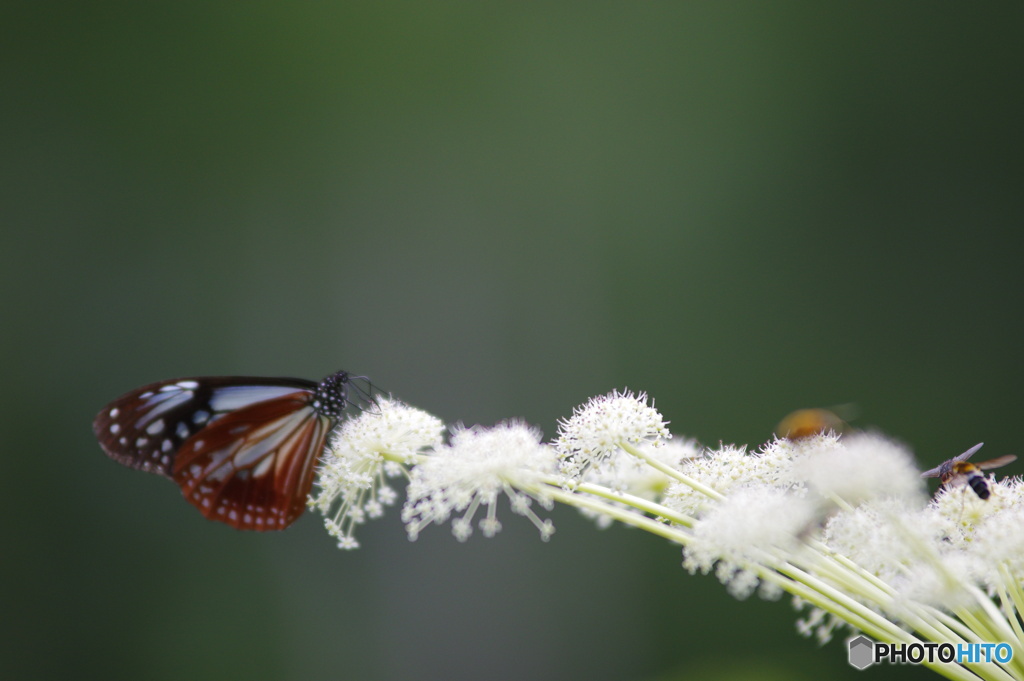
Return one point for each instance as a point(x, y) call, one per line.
point(494, 211)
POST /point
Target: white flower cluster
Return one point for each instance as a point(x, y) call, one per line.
point(606, 426)
point(475, 470)
point(840, 522)
point(364, 453)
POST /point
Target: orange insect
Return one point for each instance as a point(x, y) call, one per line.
point(959, 471)
point(807, 422)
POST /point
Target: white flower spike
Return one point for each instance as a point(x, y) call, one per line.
point(839, 522)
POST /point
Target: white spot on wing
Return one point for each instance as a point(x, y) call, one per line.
point(263, 468)
point(115, 428)
point(114, 412)
point(182, 431)
point(200, 417)
point(236, 397)
point(141, 442)
point(187, 385)
point(167, 445)
point(167, 402)
point(156, 427)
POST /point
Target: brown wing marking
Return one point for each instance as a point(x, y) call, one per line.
point(253, 468)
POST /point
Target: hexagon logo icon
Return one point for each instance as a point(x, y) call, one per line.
point(862, 652)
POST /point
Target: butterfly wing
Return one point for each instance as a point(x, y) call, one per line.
point(253, 467)
point(144, 429)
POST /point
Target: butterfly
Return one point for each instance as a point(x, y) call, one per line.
point(959, 470)
point(243, 450)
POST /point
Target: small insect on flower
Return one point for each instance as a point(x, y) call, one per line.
point(959, 471)
point(807, 422)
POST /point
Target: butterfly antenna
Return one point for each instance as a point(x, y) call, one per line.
point(364, 395)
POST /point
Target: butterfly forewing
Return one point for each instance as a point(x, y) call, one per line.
point(253, 468)
point(145, 428)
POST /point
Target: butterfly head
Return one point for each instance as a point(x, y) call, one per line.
point(332, 395)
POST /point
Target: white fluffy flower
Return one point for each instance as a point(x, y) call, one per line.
point(603, 425)
point(994, 535)
point(730, 467)
point(753, 526)
point(363, 453)
point(865, 466)
point(479, 466)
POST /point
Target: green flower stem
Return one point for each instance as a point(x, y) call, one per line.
point(893, 632)
point(984, 634)
point(883, 629)
point(404, 460)
point(874, 590)
point(815, 598)
point(620, 514)
point(840, 502)
point(1012, 585)
point(850, 580)
point(671, 472)
point(968, 634)
point(827, 551)
point(952, 630)
point(800, 583)
point(636, 502)
point(1014, 621)
point(1009, 592)
point(877, 626)
point(953, 624)
point(1001, 627)
point(988, 619)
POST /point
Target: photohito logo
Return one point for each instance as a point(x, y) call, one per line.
point(864, 652)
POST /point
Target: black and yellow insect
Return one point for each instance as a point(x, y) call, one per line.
point(959, 471)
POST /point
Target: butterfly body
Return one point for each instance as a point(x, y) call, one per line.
point(243, 450)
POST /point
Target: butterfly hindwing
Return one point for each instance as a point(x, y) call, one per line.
point(253, 467)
